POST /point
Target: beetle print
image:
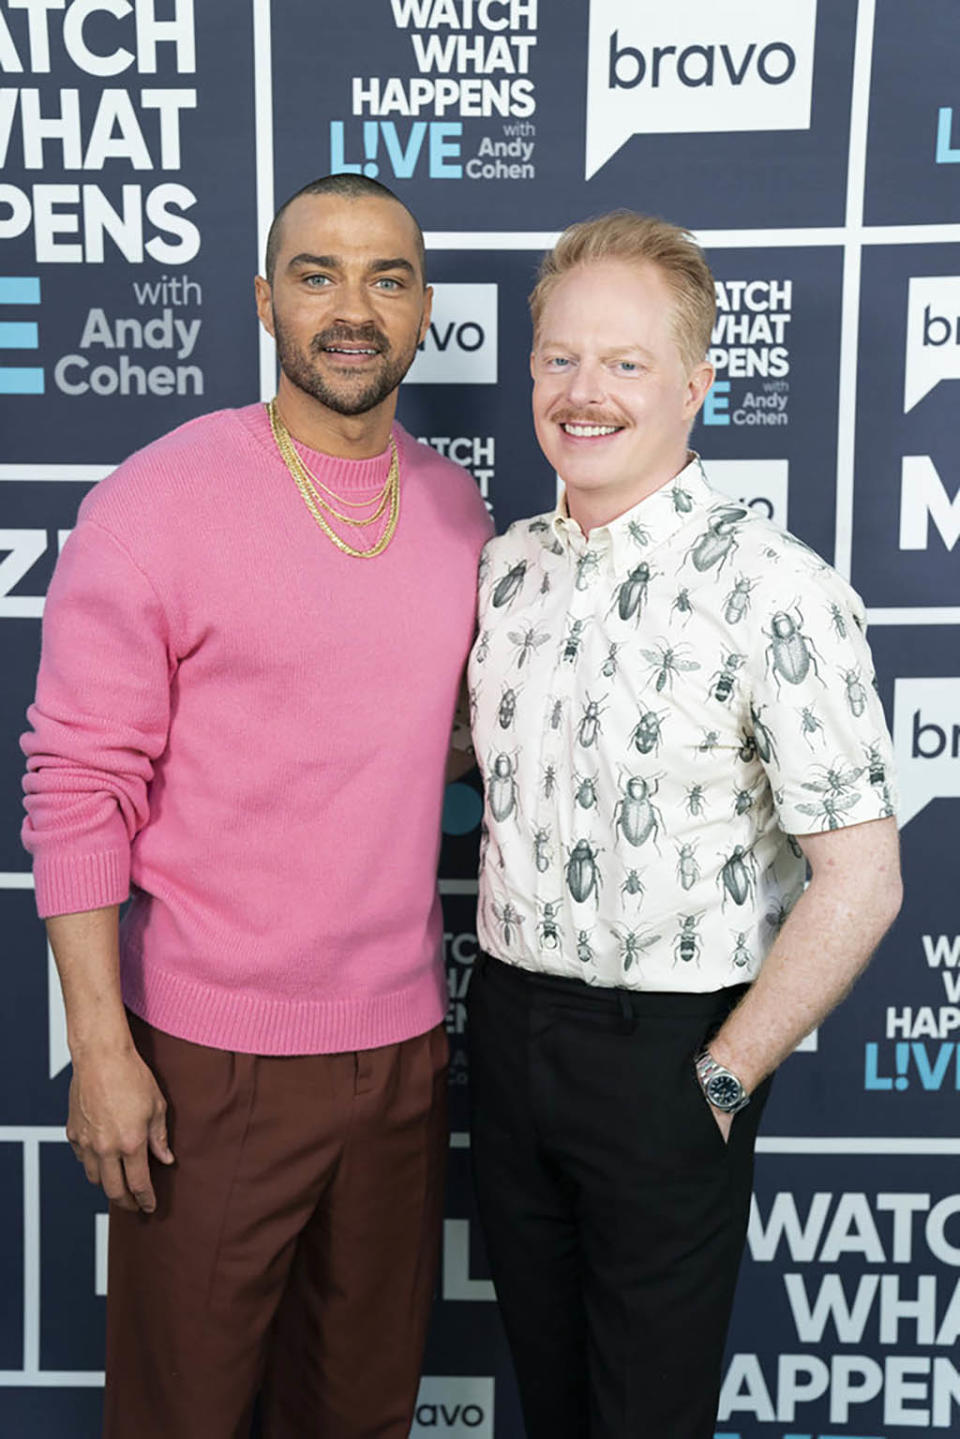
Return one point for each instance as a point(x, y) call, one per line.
point(855, 692)
point(502, 787)
point(507, 588)
point(507, 708)
point(630, 596)
point(583, 876)
point(589, 727)
point(718, 541)
point(762, 738)
point(709, 741)
point(638, 533)
point(556, 714)
point(810, 723)
point(737, 876)
point(632, 885)
point(682, 499)
point(636, 816)
point(737, 602)
point(645, 735)
point(688, 871)
point(694, 802)
point(549, 780)
point(790, 653)
point(483, 647)
point(742, 801)
point(585, 791)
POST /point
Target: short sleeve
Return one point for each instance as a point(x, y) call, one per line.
point(816, 719)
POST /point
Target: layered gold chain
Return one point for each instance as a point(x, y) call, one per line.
point(304, 480)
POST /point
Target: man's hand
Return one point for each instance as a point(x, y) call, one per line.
point(117, 1118)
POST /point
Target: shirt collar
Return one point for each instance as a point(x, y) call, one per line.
point(643, 527)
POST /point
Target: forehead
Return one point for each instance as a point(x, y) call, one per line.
point(610, 300)
point(363, 229)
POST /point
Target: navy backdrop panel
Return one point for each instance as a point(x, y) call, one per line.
point(815, 148)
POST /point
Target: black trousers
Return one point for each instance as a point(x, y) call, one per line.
point(614, 1212)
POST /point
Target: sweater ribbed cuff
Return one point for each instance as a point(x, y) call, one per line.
point(73, 883)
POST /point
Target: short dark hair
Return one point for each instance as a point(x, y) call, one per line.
point(350, 187)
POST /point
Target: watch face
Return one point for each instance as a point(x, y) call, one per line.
point(724, 1091)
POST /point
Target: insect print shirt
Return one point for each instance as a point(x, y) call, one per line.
point(658, 710)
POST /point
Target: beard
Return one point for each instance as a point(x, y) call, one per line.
point(354, 394)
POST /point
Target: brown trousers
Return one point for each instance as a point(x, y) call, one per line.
point(293, 1250)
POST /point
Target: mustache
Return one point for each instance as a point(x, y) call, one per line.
point(571, 417)
point(368, 335)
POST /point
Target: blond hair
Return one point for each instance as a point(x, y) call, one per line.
point(639, 239)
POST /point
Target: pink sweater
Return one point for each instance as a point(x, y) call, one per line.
point(247, 729)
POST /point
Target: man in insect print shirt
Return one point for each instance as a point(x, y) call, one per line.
point(674, 714)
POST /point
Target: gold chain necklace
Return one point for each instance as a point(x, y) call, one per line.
point(301, 477)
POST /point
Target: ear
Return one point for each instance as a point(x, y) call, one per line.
point(533, 361)
point(699, 380)
point(264, 300)
point(427, 312)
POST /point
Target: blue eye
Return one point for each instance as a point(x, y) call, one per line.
point(629, 367)
point(321, 281)
point(393, 284)
point(557, 362)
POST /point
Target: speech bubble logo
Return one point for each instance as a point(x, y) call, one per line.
point(933, 335)
point(695, 66)
point(460, 347)
point(761, 485)
point(926, 742)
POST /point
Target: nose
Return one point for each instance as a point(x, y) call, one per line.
point(353, 303)
point(586, 384)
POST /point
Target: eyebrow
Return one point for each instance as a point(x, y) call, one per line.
point(619, 350)
point(334, 262)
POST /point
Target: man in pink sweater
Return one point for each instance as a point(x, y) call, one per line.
point(251, 655)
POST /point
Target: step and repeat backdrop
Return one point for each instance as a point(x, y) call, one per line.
point(815, 150)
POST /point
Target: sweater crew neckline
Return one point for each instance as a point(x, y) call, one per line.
point(339, 473)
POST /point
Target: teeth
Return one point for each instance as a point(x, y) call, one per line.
point(589, 432)
point(339, 350)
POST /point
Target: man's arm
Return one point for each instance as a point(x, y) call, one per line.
point(853, 897)
point(117, 1114)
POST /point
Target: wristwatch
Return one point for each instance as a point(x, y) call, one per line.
point(720, 1086)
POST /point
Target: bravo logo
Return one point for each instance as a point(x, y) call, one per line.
point(761, 485)
point(696, 66)
point(455, 1407)
point(926, 742)
point(460, 347)
point(933, 335)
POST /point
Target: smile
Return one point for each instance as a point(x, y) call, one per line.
point(346, 350)
point(590, 432)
